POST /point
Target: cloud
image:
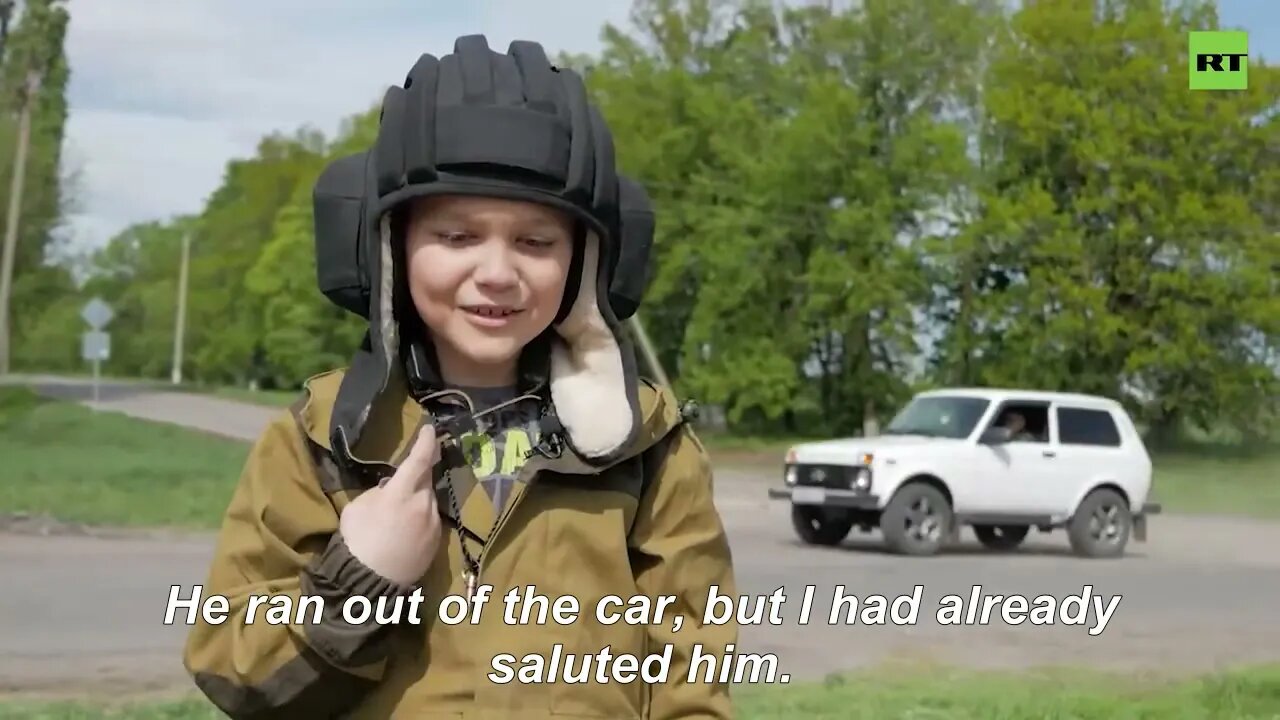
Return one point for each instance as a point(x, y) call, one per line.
point(163, 94)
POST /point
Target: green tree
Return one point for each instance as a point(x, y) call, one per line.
point(137, 273)
point(1121, 244)
point(853, 203)
point(35, 44)
point(225, 320)
point(794, 155)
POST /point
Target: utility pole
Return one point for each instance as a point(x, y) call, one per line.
point(180, 330)
point(650, 356)
point(16, 190)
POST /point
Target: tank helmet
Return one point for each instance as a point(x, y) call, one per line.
point(511, 126)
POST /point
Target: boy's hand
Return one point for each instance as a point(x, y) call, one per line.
point(394, 529)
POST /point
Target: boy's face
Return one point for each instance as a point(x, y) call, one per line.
point(486, 276)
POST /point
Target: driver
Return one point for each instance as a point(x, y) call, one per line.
point(1016, 423)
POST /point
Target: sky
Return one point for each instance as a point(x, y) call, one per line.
point(164, 94)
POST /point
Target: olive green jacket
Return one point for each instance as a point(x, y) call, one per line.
point(569, 530)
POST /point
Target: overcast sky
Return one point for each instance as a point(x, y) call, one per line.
point(165, 92)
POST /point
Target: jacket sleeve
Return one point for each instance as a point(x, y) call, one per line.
point(280, 537)
point(680, 549)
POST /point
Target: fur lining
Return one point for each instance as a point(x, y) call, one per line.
point(389, 329)
point(588, 380)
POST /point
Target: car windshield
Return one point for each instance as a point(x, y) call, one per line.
point(938, 416)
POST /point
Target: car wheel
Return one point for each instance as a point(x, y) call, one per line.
point(818, 527)
point(1001, 537)
point(918, 521)
point(1101, 525)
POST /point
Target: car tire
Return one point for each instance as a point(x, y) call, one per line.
point(816, 526)
point(1001, 537)
point(918, 520)
point(1101, 525)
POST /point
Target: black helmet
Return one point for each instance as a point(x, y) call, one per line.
point(511, 126)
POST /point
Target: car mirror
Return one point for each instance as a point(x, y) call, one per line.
point(996, 435)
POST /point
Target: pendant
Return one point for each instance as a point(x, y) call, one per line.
point(471, 584)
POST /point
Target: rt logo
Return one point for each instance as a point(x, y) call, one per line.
point(1218, 60)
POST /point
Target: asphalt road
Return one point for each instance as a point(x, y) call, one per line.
point(84, 614)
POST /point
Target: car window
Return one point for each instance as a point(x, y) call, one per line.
point(1086, 426)
point(1029, 420)
point(938, 416)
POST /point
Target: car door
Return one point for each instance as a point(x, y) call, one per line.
point(1090, 448)
point(1022, 475)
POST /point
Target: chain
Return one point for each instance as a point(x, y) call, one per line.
point(452, 429)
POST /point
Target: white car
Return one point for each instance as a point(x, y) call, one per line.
point(957, 457)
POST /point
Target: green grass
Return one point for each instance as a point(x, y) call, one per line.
point(268, 398)
point(886, 694)
point(776, 447)
point(77, 465)
point(1197, 479)
point(1219, 482)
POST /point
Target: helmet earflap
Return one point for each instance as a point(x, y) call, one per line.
point(339, 213)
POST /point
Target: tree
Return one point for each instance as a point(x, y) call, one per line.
point(34, 47)
point(1120, 246)
point(852, 204)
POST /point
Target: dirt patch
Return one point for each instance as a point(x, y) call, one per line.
point(49, 526)
point(756, 460)
point(124, 680)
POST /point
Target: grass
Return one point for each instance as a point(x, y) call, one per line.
point(898, 694)
point(1216, 482)
point(1197, 479)
point(77, 465)
point(65, 460)
point(1205, 479)
point(268, 398)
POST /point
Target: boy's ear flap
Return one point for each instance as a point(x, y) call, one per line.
point(339, 205)
point(636, 225)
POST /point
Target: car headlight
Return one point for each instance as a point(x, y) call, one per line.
point(790, 476)
point(862, 479)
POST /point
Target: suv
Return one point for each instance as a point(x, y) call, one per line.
point(1001, 461)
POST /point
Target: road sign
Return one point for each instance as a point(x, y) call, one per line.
point(96, 345)
point(97, 313)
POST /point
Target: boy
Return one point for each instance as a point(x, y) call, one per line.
point(485, 268)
